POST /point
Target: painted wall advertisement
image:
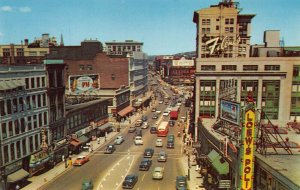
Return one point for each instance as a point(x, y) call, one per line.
point(230, 111)
point(247, 150)
point(83, 83)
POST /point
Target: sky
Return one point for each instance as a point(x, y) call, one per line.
point(164, 26)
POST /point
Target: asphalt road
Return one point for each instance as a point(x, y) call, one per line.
point(109, 170)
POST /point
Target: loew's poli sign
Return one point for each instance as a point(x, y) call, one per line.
point(82, 83)
point(247, 151)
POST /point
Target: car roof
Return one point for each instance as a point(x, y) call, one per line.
point(81, 156)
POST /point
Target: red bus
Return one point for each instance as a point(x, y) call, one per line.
point(163, 129)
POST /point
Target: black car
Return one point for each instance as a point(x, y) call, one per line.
point(154, 116)
point(130, 181)
point(181, 183)
point(144, 118)
point(153, 130)
point(131, 129)
point(148, 153)
point(145, 164)
point(171, 123)
point(110, 149)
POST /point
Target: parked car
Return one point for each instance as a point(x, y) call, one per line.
point(119, 139)
point(131, 129)
point(162, 156)
point(171, 123)
point(153, 110)
point(161, 102)
point(181, 183)
point(153, 130)
point(148, 153)
point(158, 173)
point(80, 160)
point(159, 143)
point(158, 111)
point(138, 140)
point(139, 133)
point(129, 181)
point(145, 164)
point(110, 149)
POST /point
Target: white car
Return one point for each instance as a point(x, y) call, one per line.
point(158, 173)
point(145, 125)
point(138, 140)
point(161, 102)
point(158, 111)
point(166, 113)
point(159, 143)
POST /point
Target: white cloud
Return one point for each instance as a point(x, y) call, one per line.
point(1, 34)
point(6, 8)
point(25, 9)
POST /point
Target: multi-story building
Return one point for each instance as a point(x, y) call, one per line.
point(228, 69)
point(121, 48)
point(24, 118)
point(29, 53)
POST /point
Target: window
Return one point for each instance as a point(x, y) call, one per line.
point(250, 67)
point(32, 83)
point(4, 131)
point(205, 30)
point(2, 108)
point(89, 67)
point(217, 27)
point(29, 123)
point(6, 157)
point(23, 127)
point(24, 146)
point(208, 67)
point(27, 83)
point(17, 127)
point(32, 53)
point(43, 82)
point(206, 21)
point(229, 21)
point(272, 67)
point(31, 144)
point(81, 67)
point(296, 72)
point(228, 67)
point(38, 83)
point(33, 101)
point(9, 107)
point(228, 29)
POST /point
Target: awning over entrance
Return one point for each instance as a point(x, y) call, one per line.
point(104, 126)
point(17, 176)
point(83, 139)
point(125, 111)
point(218, 162)
point(75, 142)
point(221, 166)
point(212, 155)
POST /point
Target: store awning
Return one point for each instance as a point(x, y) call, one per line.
point(104, 126)
point(11, 84)
point(75, 142)
point(212, 155)
point(83, 139)
point(125, 111)
point(221, 165)
point(17, 176)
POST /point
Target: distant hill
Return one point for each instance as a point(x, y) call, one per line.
point(189, 54)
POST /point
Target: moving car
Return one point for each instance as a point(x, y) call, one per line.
point(153, 110)
point(166, 113)
point(145, 125)
point(158, 111)
point(153, 130)
point(144, 118)
point(158, 173)
point(138, 140)
point(154, 116)
point(129, 181)
point(119, 140)
point(131, 129)
point(145, 164)
point(148, 153)
point(159, 143)
point(138, 123)
point(171, 123)
point(161, 102)
point(162, 156)
point(87, 185)
point(181, 183)
point(170, 141)
point(80, 160)
point(110, 149)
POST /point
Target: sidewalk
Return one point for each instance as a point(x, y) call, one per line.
point(196, 180)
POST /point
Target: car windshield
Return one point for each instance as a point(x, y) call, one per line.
point(181, 184)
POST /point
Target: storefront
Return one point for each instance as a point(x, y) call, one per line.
point(60, 150)
point(126, 112)
point(40, 161)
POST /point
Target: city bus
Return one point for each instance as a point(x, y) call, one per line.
point(163, 129)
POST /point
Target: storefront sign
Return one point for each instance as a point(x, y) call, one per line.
point(224, 184)
point(247, 150)
point(215, 46)
point(82, 83)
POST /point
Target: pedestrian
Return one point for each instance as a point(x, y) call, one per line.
point(98, 140)
point(63, 158)
point(66, 163)
point(17, 187)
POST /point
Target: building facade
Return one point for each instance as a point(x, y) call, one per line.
point(123, 48)
point(24, 115)
point(229, 70)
